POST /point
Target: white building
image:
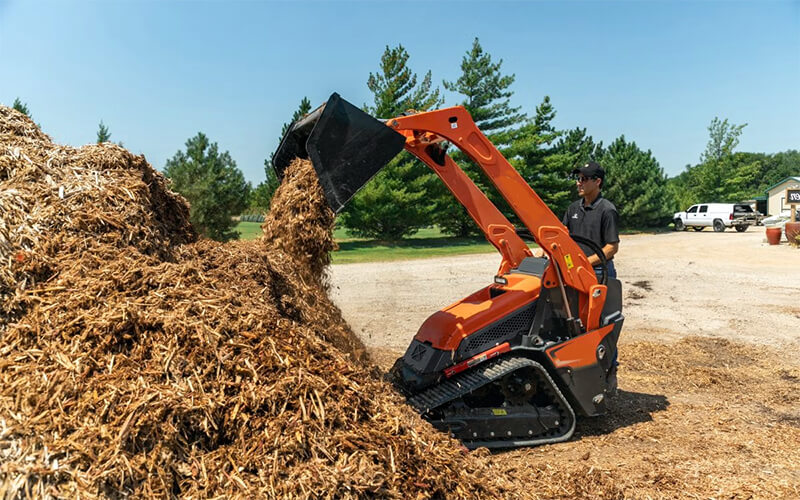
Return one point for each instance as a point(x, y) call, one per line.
point(776, 202)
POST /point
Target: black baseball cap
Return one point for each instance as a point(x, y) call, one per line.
point(591, 169)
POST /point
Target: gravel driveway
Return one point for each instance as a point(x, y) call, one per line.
point(731, 285)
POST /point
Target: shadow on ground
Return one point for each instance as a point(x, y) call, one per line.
point(624, 409)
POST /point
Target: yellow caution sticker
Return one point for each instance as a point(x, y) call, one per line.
point(568, 260)
point(499, 411)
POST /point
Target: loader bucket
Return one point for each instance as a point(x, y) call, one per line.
point(346, 146)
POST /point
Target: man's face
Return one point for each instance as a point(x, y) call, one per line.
point(587, 186)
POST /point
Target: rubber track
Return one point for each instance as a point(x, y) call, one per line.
point(463, 384)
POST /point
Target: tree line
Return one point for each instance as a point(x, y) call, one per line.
point(406, 196)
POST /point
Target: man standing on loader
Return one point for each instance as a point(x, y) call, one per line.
point(594, 217)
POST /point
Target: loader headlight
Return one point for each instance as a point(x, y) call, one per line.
point(500, 280)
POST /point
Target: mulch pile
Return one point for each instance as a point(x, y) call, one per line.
point(137, 360)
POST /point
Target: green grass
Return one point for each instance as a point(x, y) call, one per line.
point(418, 247)
point(248, 230)
point(429, 242)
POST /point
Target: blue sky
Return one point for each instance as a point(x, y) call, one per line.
point(157, 73)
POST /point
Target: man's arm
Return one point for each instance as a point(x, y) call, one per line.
point(609, 250)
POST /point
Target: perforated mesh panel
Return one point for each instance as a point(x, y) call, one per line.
point(506, 329)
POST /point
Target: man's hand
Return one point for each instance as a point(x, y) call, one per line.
point(609, 250)
point(538, 252)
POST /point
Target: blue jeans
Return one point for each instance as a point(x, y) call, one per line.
point(612, 271)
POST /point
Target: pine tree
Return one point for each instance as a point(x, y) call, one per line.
point(396, 202)
point(212, 183)
point(394, 87)
point(21, 107)
point(637, 185)
point(553, 180)
point(487, 97)
point(103, 135)
point(302, 110)
point(486, 92)
point(542, 162)
point(261, 196)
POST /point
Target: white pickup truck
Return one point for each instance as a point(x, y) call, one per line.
point(717, 215)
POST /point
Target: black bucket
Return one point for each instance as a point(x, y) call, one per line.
point(346, 146)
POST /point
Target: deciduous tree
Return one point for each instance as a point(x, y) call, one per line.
point(723, 139)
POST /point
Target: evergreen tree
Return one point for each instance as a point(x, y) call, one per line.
point(544, 162)
point(261, 196)
point(213, 185)
point(680, 189)
point(302, 110)
point(21, 107)
point(553, 181)
point(486, 92)
point(103, 135)
point(394, 87)
point(637, 185)
point(487, 97)
point(396, 202)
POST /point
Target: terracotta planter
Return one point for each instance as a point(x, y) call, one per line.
point(792, 230)
point(774, 235)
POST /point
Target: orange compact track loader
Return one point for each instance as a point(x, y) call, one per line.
point(516, 361)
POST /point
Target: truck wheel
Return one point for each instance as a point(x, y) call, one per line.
point(679, 225)
point(698, 228)
point(742, 228)
point(719, 226)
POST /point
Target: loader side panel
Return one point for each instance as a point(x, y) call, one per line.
point(585, 367)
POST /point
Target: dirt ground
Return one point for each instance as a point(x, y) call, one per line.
point(709, 401)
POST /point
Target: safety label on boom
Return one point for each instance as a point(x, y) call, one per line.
point(568, 260)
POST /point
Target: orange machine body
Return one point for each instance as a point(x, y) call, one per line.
point(460, 335)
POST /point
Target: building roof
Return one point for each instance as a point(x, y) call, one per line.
point(796, 179)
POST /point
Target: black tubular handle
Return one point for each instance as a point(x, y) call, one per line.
point(599, 251)
point(525, 234)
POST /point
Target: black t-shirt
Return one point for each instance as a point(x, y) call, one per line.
point(598, 222)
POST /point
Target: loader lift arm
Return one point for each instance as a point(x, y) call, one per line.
point(347, 147)
point(424, 131)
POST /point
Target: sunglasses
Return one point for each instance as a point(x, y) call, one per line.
point(584, 179)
